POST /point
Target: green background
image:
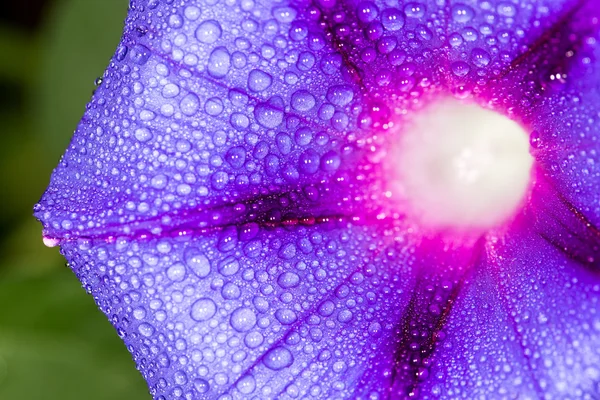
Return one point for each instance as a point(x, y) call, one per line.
point(54, 343)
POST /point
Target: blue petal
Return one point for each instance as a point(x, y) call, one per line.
point(303, 311)
point(218, 201)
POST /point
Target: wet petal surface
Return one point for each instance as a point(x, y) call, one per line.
point(225, 201)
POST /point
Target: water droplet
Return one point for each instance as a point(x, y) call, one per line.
point(139, 54)
point(366, 11)
point(506, 9)
point(414, 10)
point(462, 13)
point(146, 329)
point(189, 104)
point(203, 309)
point(392, 19)
point(253, 339)
point(50, 242)
point(284, 14)
point(246, 384)
point(229, 266)
point(197, 262)
point(302, 101)
point(170, 90)
point(219, 62)
point(143, 134)
point(230, 291)
point(236, 156)
point(460, 68)
point(243, 319)
point(480, 57)
point(278, 358)
point(213, 106)
point(176, 272)
point(286, 316)
point(259, 80)
point(201, 385)
point(209, 32)
point(309, 162)
point(330, 161)
point(268, 115)
point(340, 95)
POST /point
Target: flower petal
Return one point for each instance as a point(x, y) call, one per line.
point(201, 107)
point(527, 322)
point(557, 96)
point(301, 310)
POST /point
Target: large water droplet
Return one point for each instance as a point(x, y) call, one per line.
point(392, 19)
point(189, 104)
point(278, 358)
point(219, 62)
point(243, 319)
point(259, 80)
point(176, 272)
point(268, 115)
point(462, 13)
point(203, 309)
point(197, 262)
point(302, 101)
point(208, 31)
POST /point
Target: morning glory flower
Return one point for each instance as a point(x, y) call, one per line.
point(344, 199)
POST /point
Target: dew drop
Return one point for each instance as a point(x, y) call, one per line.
point(278, 358)
point(203, 309)
point(286, 316)
point(201, 385)
point(197, 262)
point(302, 101)
point(189, 104)
point(139, 54)
point(460, 68)
point(143, 134)
point(219, 62)
point(480, 57)
point(284, 14)
point(462, 13)
point(366, 11)
point(259, 80)
point(50, 242)
point(288, 280)
point(209, 32)
point(146, 329)
point(392, 19)
point(243, 319)
point(340, 95)
point(170, 90)
point(246, 384)
point(268, 115)
point(414, 10)
point(176, 272)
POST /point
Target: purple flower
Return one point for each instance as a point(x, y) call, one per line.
point(236, 201)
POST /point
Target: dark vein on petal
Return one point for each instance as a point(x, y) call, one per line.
point(406, 376)
point(577, 238)
point(546, 37)
point(301, 320)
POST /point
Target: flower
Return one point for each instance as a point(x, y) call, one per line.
point(225, 200)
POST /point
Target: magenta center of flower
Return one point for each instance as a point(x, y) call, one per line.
point(461, 167)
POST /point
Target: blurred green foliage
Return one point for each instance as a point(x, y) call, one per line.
point(54, 343)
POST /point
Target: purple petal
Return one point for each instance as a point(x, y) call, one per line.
point(526, 323)
point(559, 100)
point(302, 310)
point(217, 106)
point(222, 201)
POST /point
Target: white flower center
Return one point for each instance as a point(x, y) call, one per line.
point(462, 166)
